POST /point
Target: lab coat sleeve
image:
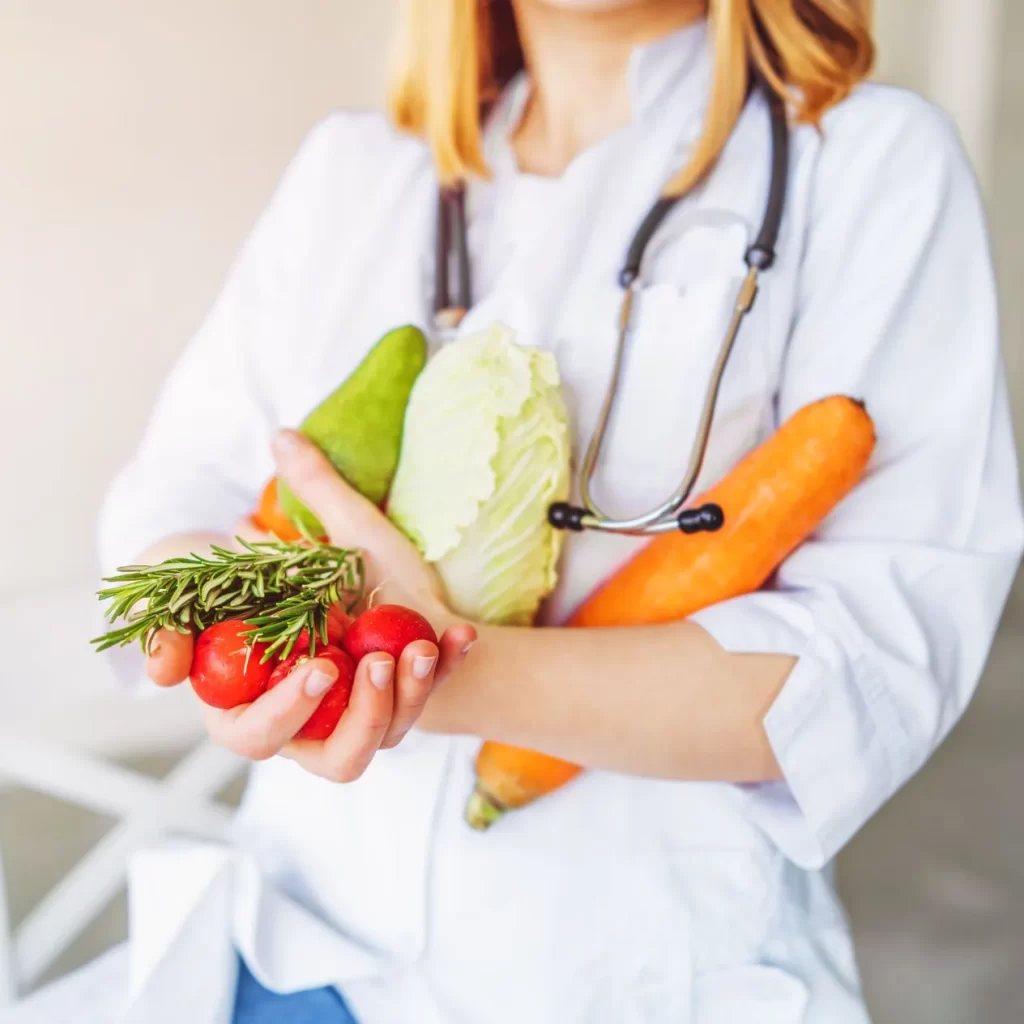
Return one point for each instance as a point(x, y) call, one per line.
point(205, 451)
point(891, 608)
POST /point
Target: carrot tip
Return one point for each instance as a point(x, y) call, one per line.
point(482, 810)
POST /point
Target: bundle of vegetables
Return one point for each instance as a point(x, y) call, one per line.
point(257, 612)
point(773, 500)
point(469, 453)
point(256, 615)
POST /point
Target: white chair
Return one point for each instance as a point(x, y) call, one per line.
point(67, 754)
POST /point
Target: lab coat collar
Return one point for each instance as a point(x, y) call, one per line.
point(674, 69)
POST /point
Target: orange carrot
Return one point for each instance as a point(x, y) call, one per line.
point(509, 777)
point(270, 517)
point(773, 500)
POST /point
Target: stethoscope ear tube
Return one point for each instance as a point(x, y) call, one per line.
point(762, 253)
point(665, 517)
point(452, 248)
point(760, 256)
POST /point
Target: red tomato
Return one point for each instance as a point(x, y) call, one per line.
point(226, 671)
point(389, 628)
point(332, 705)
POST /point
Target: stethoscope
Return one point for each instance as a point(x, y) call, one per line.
point(449, 309)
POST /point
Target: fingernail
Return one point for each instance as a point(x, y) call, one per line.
point(423, 665)
point(380, 674)
point(468, 647)
point(318, 682)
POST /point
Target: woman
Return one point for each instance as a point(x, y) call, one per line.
point(685, 877)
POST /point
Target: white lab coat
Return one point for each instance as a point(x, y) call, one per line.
point(617, 899)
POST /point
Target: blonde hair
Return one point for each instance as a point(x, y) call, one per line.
point(455, 56)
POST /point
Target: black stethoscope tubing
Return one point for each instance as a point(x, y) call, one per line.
point(451, 304)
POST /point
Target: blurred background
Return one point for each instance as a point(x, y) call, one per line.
point(139, 142)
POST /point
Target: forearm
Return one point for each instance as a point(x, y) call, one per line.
point(663, 701)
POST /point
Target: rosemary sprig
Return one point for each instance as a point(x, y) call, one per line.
point(279, 589)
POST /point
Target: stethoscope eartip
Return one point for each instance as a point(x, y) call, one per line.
point(706, 519)
point(563, 516)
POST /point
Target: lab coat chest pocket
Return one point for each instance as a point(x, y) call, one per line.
point(680, 319)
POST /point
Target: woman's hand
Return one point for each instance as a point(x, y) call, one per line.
point(387, 699)
point(170, 654)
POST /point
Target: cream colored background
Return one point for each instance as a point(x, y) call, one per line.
point(138, 141)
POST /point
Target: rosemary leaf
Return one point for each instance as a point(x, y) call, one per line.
point(181, 599)
point(208, 592)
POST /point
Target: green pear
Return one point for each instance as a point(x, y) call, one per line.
point(359, 425)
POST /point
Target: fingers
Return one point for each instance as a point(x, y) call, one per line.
point(414, 681)
point(347, 516)
point(386, 702)
point(455, 644)
point(347, 752)
point(421, 668)
point(342, 510)
point(259, 730)
point(170, 658)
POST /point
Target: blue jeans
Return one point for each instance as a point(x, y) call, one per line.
point(255, 1005)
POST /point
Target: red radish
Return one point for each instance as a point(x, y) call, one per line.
point(332, 705)
point(389, 628)
point(338, 621)
point(226, 671)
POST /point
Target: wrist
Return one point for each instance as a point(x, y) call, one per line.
point(459, 704)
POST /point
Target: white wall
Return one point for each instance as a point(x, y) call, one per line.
point(138, 141)
point(966, 56)
point(948, 50)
